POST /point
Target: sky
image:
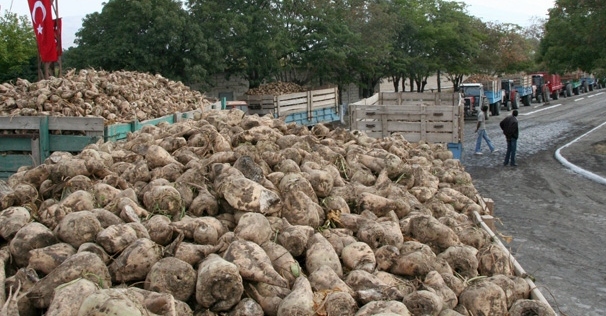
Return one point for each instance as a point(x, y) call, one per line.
point(520, 12)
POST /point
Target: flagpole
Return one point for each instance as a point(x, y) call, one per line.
point(59, 38)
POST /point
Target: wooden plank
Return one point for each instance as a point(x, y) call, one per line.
point(324, 104)
point(397, 98)
point(317, 107)
point(384, 123)
point(426, 127)
point(76, 123)
point(54, 123)
point(408, 113)
point(368, 126)
point(35, 143)
point(167, 118)
point(374, 134)
point(44, 138)
point(16, 143)
point(327, 100)
point(20, 122)
point(368, 101)
point(117, 131)
point(284, 111)
point(309, 105)
point(292, 102)
point(324, 95)
point(325, 91)
point(71, 143)
point(11, 163)
point(289, 96)
point(430, 137)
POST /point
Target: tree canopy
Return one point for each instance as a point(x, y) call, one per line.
point(575, 37)
point(312, 43)
point(156, 36)
point(18, 50)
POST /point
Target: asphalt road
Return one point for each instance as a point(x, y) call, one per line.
point(557, 217)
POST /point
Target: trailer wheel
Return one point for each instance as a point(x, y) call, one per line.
point(525, 100)
point(569, 90)
point(555, 95)
point(497, 108)
point(576, 91)
point(540, 98)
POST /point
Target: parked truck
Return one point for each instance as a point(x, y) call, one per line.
point(478, 93)
point(516, 90)
point(546, 86)
point(473, 98)
point(573, 83)
point(589, 83)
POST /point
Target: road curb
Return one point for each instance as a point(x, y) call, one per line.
point(588, 174)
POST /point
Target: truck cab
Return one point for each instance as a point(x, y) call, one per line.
point(474, 98)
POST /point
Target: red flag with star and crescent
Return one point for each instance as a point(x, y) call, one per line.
point(44, 28)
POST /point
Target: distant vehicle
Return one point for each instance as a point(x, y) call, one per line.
point(516, 90)
point(546, 86)
point(473, 98)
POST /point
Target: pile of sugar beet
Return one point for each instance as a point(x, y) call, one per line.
point(231, 214)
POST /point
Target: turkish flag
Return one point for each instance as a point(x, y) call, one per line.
point(44, 28)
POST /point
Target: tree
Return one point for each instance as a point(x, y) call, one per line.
point(459, 41)
point(515, 50)
point(156, 36)
point(319, 43)
point(574, 37)
point(373, 23)
point(249, 34)
point(411, 55)
point(18, 50)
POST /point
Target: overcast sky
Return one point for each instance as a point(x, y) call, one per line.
point(518, 12)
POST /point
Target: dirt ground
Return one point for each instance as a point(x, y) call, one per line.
point(556, 217)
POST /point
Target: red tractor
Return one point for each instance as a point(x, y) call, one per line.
point(546, 86)
point(510, 94)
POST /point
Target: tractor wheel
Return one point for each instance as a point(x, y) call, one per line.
point(514, 102)
point(526, 100)
point(540, 98)
point(569, 90)
point(497, 109)
point(555, 95)
point(576, 91)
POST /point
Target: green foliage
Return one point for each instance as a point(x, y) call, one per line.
point(313, 43)
point(575, 37)
point(248, 33)
point(155, 36)
point(18, 50)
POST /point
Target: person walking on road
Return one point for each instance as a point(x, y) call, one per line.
point(481, 130)
point(509, 125)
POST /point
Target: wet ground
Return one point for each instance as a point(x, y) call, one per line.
point(556, 216)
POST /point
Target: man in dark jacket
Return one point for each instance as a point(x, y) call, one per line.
point(509, 125)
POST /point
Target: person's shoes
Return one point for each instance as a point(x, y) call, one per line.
point(514, 165)
point(478, 153)
point(494, 151)
point(505, 164)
